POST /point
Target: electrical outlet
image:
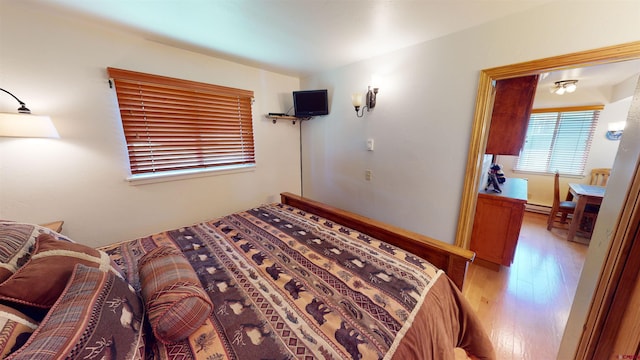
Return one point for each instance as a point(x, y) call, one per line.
point(367, 175)
point(370, 144)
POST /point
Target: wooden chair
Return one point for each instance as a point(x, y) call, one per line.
point(599, 176)
point(564, 208)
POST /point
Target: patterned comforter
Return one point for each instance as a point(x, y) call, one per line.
point(286, 284)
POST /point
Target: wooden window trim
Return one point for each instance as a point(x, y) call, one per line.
point(150, 78)
point(568, 109)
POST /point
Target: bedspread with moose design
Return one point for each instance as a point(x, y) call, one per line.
point(286, 284)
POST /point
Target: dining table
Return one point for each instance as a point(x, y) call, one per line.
point(582, 194)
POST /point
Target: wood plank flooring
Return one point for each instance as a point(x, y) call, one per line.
point(525, 307)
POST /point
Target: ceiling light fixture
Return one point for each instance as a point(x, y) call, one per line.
point(356, 100)
point(564, 86)
point(23, 124)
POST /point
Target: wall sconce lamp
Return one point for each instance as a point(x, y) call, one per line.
point(563, 86)
point(356, 100)
point(615, 130)
point(23, 124)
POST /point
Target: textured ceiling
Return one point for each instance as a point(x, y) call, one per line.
point(295, 37)
point(301, 37)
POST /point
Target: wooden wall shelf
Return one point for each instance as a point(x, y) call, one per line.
point(275, 118)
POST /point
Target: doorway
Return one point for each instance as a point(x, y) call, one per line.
point(593, 305)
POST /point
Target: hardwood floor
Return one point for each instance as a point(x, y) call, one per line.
point(525, 307)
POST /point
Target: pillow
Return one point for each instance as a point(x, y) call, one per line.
point(41, 280)
point(15, 329)
point(176, 303)
point(97, 316)
point(16, 241)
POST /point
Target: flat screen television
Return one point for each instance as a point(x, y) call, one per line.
point(309, 103)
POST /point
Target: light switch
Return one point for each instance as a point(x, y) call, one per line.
point(370, 144)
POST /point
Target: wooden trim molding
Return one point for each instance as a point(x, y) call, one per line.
point(180, 83)
point(611, 277)
point(568, 109)
point(477, 145)
point(615, 309)
point(617, 332)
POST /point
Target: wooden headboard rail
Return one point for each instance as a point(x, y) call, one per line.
point(452, 259)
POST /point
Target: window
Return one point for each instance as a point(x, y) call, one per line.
point(558, 140)
point(173, 125)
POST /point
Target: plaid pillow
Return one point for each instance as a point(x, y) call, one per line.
point(15, 329)
point(97, 316)
point(177, 305)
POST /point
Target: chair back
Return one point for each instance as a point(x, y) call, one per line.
point(599, 176)
point(556, 189)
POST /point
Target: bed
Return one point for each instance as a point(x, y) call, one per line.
point(292, 280)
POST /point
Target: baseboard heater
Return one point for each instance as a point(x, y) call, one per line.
point(540, 209)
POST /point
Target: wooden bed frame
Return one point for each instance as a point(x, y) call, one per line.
point(452, 259)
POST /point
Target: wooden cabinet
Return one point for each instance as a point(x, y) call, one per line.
point(510, 117)
point(497, 222)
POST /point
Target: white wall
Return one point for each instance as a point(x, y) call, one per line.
point(423, 118)
point(421, 126)
point(57, 66)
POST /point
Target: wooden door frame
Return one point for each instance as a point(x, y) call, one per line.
point(611, 275)
point(616, 329)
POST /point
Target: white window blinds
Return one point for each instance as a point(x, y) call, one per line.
point(558, 140)
point(173, 124)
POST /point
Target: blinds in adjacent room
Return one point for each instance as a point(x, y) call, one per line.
point(558, 139)
point(173, 124)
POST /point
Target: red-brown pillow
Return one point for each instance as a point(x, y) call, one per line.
point(41, 280)
point(176, 303)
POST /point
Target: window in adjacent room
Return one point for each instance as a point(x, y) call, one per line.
point(180, 126)
point(558, 139)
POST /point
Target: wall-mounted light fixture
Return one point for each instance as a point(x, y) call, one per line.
point(564, 86)
point(615, 130)
point(356, 100)
point(23, 124)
